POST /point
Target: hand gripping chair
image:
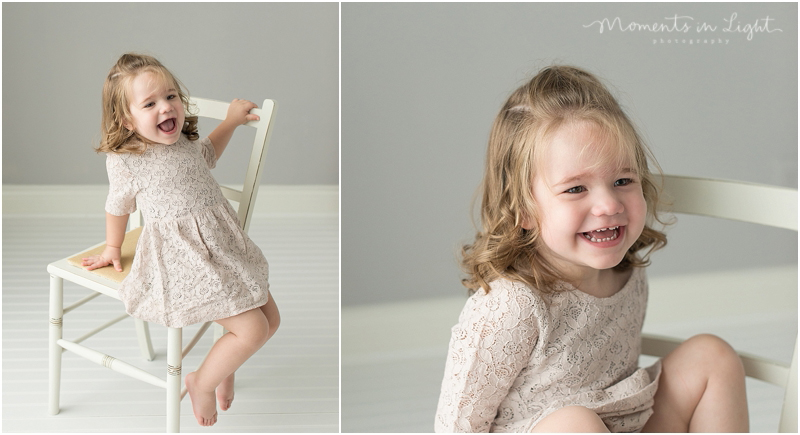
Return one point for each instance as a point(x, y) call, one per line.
point(753, 203)
point(105, 281)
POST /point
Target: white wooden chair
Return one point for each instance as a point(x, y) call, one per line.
point(754, 203)
point(108, 285)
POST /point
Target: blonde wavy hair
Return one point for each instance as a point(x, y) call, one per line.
point(116, 104)
point(557, 95)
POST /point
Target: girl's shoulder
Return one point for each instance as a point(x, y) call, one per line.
point(507, 306)
point(508, 294)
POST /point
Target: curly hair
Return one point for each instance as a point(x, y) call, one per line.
point(557, 95)
point(116, 104)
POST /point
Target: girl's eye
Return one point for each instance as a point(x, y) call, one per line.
point(148, 105)
point(576, 189)
point(172, 97)
point(623, 182)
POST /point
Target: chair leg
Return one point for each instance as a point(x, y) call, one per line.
point(55, 351)
point(219, 331)
point(789, 413)
point(145, 345)
point(174, 362)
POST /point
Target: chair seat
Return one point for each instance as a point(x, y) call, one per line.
point(108, 272)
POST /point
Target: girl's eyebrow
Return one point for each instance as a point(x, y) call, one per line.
point(583, 175)
point(149, 97)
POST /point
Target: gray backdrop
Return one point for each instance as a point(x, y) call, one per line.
point(56, 56)
point(421, 84)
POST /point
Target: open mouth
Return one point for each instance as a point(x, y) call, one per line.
point(169, 126)
point(602, 234)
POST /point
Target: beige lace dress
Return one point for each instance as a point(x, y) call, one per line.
point(516, 355)
point(193, 262)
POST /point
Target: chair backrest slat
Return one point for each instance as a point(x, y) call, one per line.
point(748, 202)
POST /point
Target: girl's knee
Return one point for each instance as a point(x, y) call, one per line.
point(274, 323)
point(255, 332)
point(571, 419)
point(716, 354)
point(273, 316)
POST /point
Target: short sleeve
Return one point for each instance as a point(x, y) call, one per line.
point(489, 347)
point(209, 153)
point(122, 186)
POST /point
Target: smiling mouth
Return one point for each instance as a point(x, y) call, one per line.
point(602, 234)
point(168, 126)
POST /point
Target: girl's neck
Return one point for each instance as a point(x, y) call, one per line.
point(601, 283)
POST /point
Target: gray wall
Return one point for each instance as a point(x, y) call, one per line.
point(421, 84)
point(56, 56)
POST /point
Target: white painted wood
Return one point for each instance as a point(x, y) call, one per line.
point(756, 203)
point(145, 344)
point(195, 339)
point(100, 329)
point(112, 363)
point(246, 198)
point(173, 384)
point(789, 412)
point(55, 329)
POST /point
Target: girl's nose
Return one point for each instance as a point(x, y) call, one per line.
point(166, 107)
point(607, 203)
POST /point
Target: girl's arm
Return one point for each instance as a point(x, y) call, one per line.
point(238, 114)
point(489, 347)
point(115, 235)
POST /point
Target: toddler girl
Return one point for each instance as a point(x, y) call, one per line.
point(193, 262)
point(549, 341)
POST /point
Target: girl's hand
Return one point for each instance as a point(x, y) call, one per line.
point(239, 112)
point(110, 256)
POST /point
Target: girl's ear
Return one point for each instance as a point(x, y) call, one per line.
point(127, 124)
point(527, 222)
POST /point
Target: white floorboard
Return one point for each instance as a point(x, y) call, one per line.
point(290, 385)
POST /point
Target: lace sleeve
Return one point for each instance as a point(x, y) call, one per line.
point(209, 153)
point(122, 188)
point(489, 346)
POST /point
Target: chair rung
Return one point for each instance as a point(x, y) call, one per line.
point(112, 363)
point(764, 369)
point(196, 338)
point(100, 328)
point(81, 302)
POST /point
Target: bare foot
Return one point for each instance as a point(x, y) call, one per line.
point(225, 393)
point(204, 404)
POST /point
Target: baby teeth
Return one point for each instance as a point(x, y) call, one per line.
point(594, 240)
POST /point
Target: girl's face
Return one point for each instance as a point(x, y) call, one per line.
point(590, 214)
point(156, 109)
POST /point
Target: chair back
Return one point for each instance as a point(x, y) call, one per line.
point(747, 202)
point(755, 203)
point(246, 197)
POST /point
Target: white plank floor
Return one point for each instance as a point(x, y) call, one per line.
point(290, 385)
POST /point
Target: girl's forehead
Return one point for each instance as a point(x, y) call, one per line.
point(147, 83)
point(581, 148)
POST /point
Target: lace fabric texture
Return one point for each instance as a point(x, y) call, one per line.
point(193, 262)
point(517, 355)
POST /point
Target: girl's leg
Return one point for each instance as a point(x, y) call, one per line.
point(248, 331)
point(225, 390)
point(701, 389)
point(571, 419)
